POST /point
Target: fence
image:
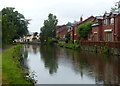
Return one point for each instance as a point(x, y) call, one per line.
point(110, 44)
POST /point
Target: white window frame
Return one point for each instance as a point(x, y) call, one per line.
point(106, 21)
point(112, 21)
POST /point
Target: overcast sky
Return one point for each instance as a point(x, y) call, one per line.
point(65, 10)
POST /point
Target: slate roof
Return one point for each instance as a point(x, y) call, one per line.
point(99, 17)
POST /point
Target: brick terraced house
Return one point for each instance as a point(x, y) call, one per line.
point(107, 28)
point(74, 33)
point(61, 31)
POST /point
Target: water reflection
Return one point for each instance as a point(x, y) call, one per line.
point(49, 56)
point(67, 66)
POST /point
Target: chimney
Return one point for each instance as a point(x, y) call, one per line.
point(81, 19)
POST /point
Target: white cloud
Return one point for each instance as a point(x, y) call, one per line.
point(65, 10)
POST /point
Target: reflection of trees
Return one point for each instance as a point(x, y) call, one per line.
point(48, 54)
point(25, 56)
point(105, 69)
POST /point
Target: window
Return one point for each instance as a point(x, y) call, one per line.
point(95, 37)
point(106, 21)
point(96, 21)
point(108, 36)
point(112, 21)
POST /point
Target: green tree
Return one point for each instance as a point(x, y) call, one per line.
point(49, 28)
point(116, 6)
point(85, 29)
point(35, 33)
point(67, 35)
point(14, 25)
point(69, 24)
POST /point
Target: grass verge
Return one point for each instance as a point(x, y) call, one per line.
point(11, 69)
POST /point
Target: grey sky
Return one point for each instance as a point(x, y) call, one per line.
point(65, 10)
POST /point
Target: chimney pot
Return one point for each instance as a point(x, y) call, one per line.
point(81, 19)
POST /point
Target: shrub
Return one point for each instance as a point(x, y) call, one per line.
point(105, 50)
point(70, 46)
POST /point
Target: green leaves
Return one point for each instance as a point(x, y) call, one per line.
point(116, 6)
point(49, 28)
point(67, 36)
point(84, 29)
point(14, 25)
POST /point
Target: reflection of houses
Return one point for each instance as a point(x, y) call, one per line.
point(32, 48)
point(107, 28)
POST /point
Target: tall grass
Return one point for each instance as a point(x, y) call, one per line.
point(11, 68)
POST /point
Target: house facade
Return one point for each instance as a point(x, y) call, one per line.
point(28, 38)
point(74, 32)
point(107, 28)
point(73, 29)
point(96, 29)
point(61, 31)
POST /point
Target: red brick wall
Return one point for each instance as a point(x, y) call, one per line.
point(94, 30)
point(117, 28)
point(60, 32)
point(105, 27)
point(76, 36)
point(97, 29)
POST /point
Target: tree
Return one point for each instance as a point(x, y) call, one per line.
point(116, 7)
point(69, 24)
point(85, 29)
point(0, 29)
point(67, 36)
point(35, 33)
point(14, 25)
point(49, 28)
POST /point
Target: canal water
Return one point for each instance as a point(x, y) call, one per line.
point(55, 65)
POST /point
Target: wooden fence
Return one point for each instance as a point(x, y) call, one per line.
point(110, 44)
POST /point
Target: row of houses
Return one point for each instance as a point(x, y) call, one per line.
point(28, 38)
point(104, 28)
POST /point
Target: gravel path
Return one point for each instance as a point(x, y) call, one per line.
point(3, 50)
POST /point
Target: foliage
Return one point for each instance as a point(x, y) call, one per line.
point(35, 33)
point(67, 35)
point(77, 41)
point(69, 24)
point(58, 38)
point(12, 72)
point(49, 40)
point(105, 50)
point(14, 25)
point(49, 28)
point(84, 29)
point(68, 45)
point(116, 6)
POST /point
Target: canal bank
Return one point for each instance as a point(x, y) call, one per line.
point(96, 49)
point(12, 72)
point(102, 50)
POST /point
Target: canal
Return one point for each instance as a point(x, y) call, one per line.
point(55, 65)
